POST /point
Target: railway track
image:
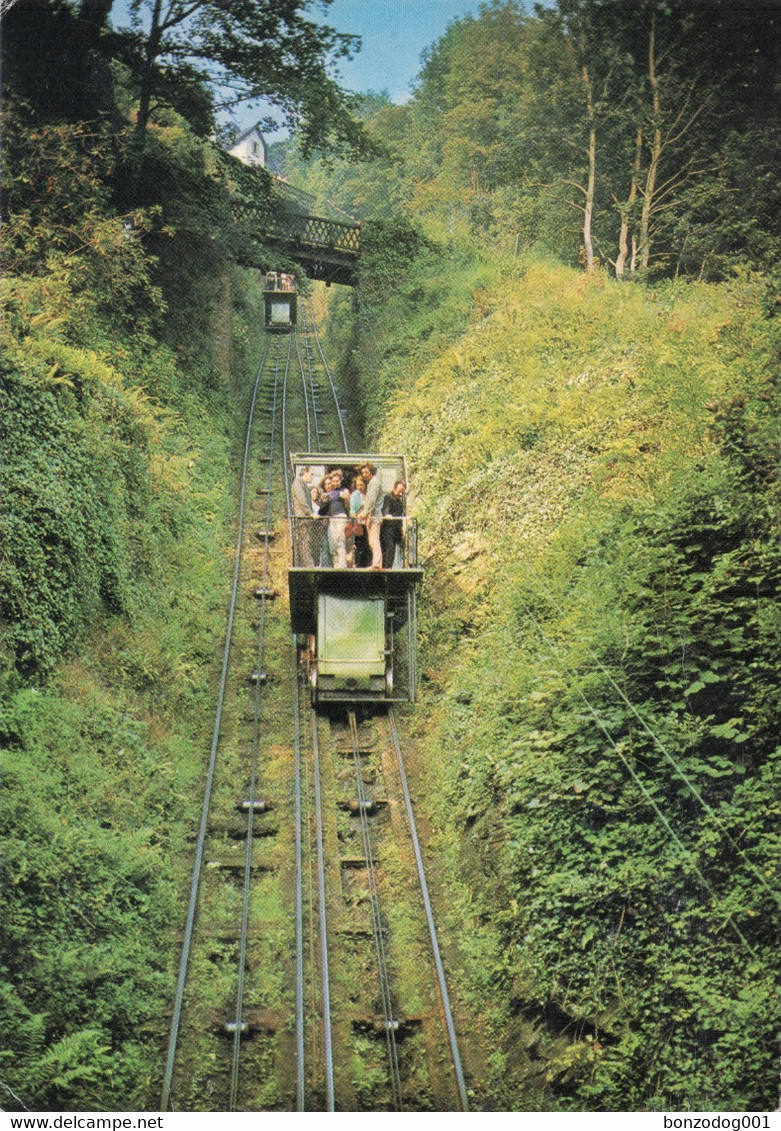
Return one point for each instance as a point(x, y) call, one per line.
point(388, 1045)
point(225, 848)
point(324, 415)
point(342, 1024)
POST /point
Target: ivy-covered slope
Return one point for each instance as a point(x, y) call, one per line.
point(594, 471)
point(117, 471)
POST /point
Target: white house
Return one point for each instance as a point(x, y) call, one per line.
point(250, 147)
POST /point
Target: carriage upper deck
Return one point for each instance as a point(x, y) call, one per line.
point(354, 572)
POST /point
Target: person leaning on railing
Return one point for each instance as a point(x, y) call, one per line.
point(392, 532)
point(361, 556)
point(324, 505)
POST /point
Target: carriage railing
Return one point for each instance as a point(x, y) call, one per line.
point(320, 542)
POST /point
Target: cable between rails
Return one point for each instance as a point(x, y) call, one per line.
point(298, 771)
point(300, 1096)
point(313, 391)
point(329, 1067)
point(299, 767)
point(299, 774)
point(327, 369)
point(309, 326)
point(306, 397)
point(310, 394)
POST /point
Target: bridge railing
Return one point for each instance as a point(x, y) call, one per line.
point(309, 231)
point(320, 232)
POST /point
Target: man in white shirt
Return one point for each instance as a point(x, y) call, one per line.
point(371, 511)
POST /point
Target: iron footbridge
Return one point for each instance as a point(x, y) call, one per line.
point(328, 250)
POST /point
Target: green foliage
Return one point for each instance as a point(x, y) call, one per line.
point(96, 778)
point(87, 897)
point(258, 50)
point(595, 474)
point(589, 124)
point(117, 476)
point(595, 471)
point(63, 226)
point(115, 504)
point(433, 288)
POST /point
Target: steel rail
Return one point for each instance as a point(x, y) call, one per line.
point(321, 896)
point(285, 449)
point(310, 331)
point(301, 346)
point(306, 397)
point(300, 1082)
point(308, 391)
point(312, 392)
point(201, 840)
point(327, 368)
point(239, 1021)
point(444, 996)
point(377, 925)
point(300, 1021)
point(378, 928)
point(326, 989)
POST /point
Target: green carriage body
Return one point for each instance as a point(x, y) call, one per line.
point(351, 653)
point(280, 311)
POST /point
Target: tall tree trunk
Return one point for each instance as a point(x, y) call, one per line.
point(151, 51)
point(625, 211)
point(474, 177)
point(147, 88)
point(655, 153)
point(95, 12)
point(588, 216)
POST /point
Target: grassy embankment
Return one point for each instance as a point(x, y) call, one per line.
point(128, 456)
point(594, 473)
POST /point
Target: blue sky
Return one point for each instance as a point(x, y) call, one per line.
point(394, 34)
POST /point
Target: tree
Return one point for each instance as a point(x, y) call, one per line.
point(675, 98)
point(248, 50)
point(51, 59)
point(689, 76)
point(581, 39)
point(465, 100)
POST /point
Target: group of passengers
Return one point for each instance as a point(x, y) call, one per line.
point(363, 525)
point(280, 281)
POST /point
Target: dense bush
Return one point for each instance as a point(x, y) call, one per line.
point(596, 480)
point(88, 895)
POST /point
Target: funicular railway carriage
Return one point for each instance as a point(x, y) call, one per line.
point(280, 300)
point(356, 626)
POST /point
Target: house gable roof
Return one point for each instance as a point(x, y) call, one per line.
point(248, 133)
